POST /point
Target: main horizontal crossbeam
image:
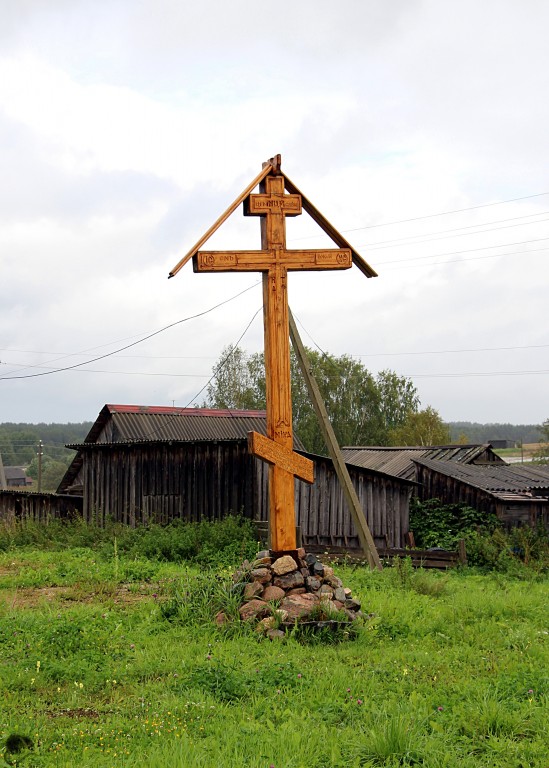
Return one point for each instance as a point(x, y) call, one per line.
point(263, 261)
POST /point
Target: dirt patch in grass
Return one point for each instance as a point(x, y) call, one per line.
point(33, 597)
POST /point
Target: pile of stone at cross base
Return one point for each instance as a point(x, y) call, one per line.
point(302, 589)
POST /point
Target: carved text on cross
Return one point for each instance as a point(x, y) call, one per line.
point(274, 260)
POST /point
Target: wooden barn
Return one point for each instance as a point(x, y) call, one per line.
point(517, 493)
point(146, 464)
point(472, 474)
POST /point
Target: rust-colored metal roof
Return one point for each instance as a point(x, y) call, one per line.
point(506, 481)
point(400, 461)
point(136, 423)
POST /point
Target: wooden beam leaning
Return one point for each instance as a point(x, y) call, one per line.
point(359, 519)
point(267, 168)
point(330, 230)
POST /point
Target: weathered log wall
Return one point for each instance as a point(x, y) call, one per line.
point(161, 482)
point(37, 507)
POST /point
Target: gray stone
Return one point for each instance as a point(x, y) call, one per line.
point(318, 569)
point(275, 634)
point(339, 594)
point(310, 559)
point(253, 589)
point(289, 580)
point(333, 581)
point(263, 575)
point(296, 591)
point(313, 584)
point(284, 564)
point(326, 591)
point(262, 554)
point(353, 605)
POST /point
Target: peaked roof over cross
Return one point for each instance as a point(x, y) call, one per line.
point(272, 168)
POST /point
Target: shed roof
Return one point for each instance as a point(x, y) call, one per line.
point(400, 461)
point(144, 423)
point(15, 473)
point(505, 481)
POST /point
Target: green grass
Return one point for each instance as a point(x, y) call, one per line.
point(109, 657)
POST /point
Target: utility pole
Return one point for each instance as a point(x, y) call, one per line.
point(3, 483)
point(40, 453)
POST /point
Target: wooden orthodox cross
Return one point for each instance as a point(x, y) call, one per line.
point(274, 261)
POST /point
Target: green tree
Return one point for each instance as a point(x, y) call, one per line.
point(422, 428)
point(236, 381)
point(360, 407)
point(399, 398)
point(52, 472)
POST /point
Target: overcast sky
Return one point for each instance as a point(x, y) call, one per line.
point(418, 127)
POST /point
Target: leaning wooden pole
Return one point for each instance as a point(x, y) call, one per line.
point(366, 539)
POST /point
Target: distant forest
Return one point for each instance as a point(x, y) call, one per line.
point(483, 433)
point(19, 442)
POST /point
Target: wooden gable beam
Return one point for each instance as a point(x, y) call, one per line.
point(265, 171)
point(330, 230)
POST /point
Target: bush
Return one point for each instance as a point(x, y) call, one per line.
point(222, 542)
point(442, 525)
point(519, 551)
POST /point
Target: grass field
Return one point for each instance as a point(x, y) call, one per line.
point(527, 452)
point(109, 658)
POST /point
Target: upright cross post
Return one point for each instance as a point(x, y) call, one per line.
point(272, 205)
point(274, 260)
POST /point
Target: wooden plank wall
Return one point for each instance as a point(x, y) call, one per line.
point(205, 481)
point(451, 491)
point(324, 518)
point(37, 507)
point(159, 483)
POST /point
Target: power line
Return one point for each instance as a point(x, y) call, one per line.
point(212, 377)
point(448, 213)
point(473, 373)
point(402, 242)
point(124, 373)
point(462, 261)
point(452, 351)
point(133, 344)
point(434, 215)
point(468, 250)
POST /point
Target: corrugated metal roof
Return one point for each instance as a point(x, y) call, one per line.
point(499, 479)
point(400, 461)
point(139, 424)
point(134, 423)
